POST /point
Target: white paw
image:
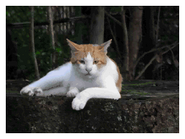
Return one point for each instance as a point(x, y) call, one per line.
point(31, 91)
point(72, 92)
point(38, 91)
point(27, 91)
point(79, 102)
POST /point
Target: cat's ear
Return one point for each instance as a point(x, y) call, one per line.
point(105, 45)
point(74, 47)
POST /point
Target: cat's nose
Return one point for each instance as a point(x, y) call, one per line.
point(88, 69)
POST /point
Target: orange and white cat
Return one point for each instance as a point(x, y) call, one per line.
point(89, 74)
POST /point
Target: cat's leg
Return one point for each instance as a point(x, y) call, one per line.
point(31, 91)
point(73, 91)
point(57, 91)
point(45, 83)
point(81, 99)
point(52, 80)
point(109, 91)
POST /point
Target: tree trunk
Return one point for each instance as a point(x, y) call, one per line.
point(126, 47)
point(78, 25)
point(52, 36)
point(135, 32)
point(11, 56)
point(33, 43)
point(149, 39)
point(97, 25)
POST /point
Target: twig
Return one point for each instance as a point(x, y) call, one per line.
point(174, 60)
point(53, 55)
point(118, 22)
point(169, 48)
point(158, 18)
point(33, 42)
point(26, 24)
point(150, 62)
point(153, 50)
point(125, 45)
point(117, 48)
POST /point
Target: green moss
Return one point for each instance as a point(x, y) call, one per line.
point(138, 84)
point(134, 92)
point(11, 91)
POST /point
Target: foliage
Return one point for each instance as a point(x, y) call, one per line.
point(79, 31)
point(114, 9)
point(42, 41)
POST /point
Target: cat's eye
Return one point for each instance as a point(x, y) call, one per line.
point(82, 61)
point(96, 61)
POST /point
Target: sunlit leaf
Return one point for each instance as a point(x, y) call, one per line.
point(58, 49)
point(168, 61)
point(37, 53)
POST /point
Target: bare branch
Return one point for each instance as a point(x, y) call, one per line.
point(118, 22)
point(52, 35)
point(150, 62)
point(33, 42)
point(153, 50)
point(63, 20)
point(158, 18)
point(170, 48)
point(117, 48)
point(125, 44)
point(176, 63)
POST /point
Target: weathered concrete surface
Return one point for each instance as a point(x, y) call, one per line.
point(145, 106)
point(131, 114)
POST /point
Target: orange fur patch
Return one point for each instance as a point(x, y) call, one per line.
point(95, 51)
point(120, 79)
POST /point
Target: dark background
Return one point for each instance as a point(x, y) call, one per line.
point(151, 38)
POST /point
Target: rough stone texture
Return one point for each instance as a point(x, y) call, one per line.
point(133, 114)
point(145, 107)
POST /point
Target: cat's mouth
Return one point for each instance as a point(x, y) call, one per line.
point(88, 74)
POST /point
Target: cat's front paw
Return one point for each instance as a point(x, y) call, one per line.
point(79, 102)
point(27, 91)
point(38, 91)
point(31, 91)
point(73, 91)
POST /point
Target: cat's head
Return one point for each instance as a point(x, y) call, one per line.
point(89, 59)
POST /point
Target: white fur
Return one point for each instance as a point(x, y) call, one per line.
point(74, 80)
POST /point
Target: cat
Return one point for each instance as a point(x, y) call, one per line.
point(89, 74)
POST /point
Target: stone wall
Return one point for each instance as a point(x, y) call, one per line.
point(131, 114)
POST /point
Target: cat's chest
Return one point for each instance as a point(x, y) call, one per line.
point(82, 84)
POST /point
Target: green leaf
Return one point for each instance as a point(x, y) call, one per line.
point(115, 9)
point(58, 49)
point(37, 53)
point(7, 13)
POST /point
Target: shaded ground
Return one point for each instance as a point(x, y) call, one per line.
point(145, 106)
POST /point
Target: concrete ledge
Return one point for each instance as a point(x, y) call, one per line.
point(131, 114)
